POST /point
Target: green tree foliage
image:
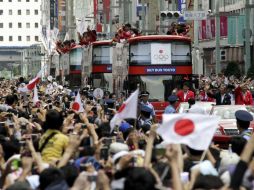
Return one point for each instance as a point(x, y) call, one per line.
point(250, 73)
point(233, 69)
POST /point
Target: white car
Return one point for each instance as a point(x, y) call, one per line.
point(206, 106)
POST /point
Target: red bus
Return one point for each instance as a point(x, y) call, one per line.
point(101, 76)
point(159, 63)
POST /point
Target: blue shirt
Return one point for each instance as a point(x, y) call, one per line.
point(150, 106)
point(170, 109)
point(246, 134)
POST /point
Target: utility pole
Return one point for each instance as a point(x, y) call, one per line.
point(143, 16)
point(195, 64)
point(217, 36)
point(247, 36)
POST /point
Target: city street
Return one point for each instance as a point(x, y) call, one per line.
point(126, 94)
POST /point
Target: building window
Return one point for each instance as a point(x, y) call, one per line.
point(10, 38)
point(28, 38)
point(10, 0)
point(36, 25)
point(10, 24)
point(27, 25)
point(19, 25)
point(19, 12)
point(1, 25)
point(10, 12)
point(1, 0)
point(36, 12)
point(27, 12)
point(27, 0)
point(1, 38)
point(36, 38)
point(35, 0)
point(19, 38)
point(19, 0)
point(1, 12)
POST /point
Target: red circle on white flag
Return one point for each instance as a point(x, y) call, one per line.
point(121, 108)
point(184, 127)
point(75, 106)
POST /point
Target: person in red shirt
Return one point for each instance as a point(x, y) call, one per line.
point(243, 96)
point(204, 97)
point(185, 94)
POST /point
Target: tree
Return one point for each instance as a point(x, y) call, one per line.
point(232, 69)
point(250, 73)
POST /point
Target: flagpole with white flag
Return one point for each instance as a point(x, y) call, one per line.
point(32, 83)
point(77, 104)
point(127, 110)
point(194, 130)
point(35, 96)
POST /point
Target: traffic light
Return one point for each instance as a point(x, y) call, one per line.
point(170, 14)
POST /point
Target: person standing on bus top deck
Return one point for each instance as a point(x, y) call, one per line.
point(144, 95)
point(242, 95)
point(171, 108)
point(185, 94)
point(243, 119)
point(221, 97)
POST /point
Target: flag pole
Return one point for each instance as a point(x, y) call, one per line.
point(203, 155)
point(135, 122)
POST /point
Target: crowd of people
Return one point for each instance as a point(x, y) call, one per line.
point(48, 145)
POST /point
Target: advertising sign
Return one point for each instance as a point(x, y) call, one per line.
point(160, 53)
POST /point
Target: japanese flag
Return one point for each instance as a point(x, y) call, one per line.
point(77, 104)
point(35, 96)
point(127, 110)
point(32, 83)
point(194, 130)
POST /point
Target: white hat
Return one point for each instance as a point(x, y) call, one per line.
point(60, 87)
point(206, 168)
point(50, 78)
point(119, 155)
point(228, 159)
point(118, 147)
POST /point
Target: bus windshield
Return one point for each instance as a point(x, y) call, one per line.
point(158, 52)
point(102, 55)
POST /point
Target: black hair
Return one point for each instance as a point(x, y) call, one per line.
point(195, 152)
point(9, 100)
point(163, 170)
point(243, 124)
point(208, 182)
point(54, 120)
point(191, 102)
point(139, 179)
point(70, 173)
point(145, 114)
point(103, 130)
point(50, 175)
point(237, 144)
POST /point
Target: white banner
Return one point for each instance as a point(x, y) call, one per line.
point(160, 53)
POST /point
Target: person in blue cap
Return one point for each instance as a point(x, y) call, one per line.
point(243, 119)
point(144, 96)
point(171, 108)
point(145, 115)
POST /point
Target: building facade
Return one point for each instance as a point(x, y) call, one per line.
point(19, 22)
point(232, 38)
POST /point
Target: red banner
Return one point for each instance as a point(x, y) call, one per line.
point(207, 28)
point(223, 26)
point(95, 8)
point(106, 8)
